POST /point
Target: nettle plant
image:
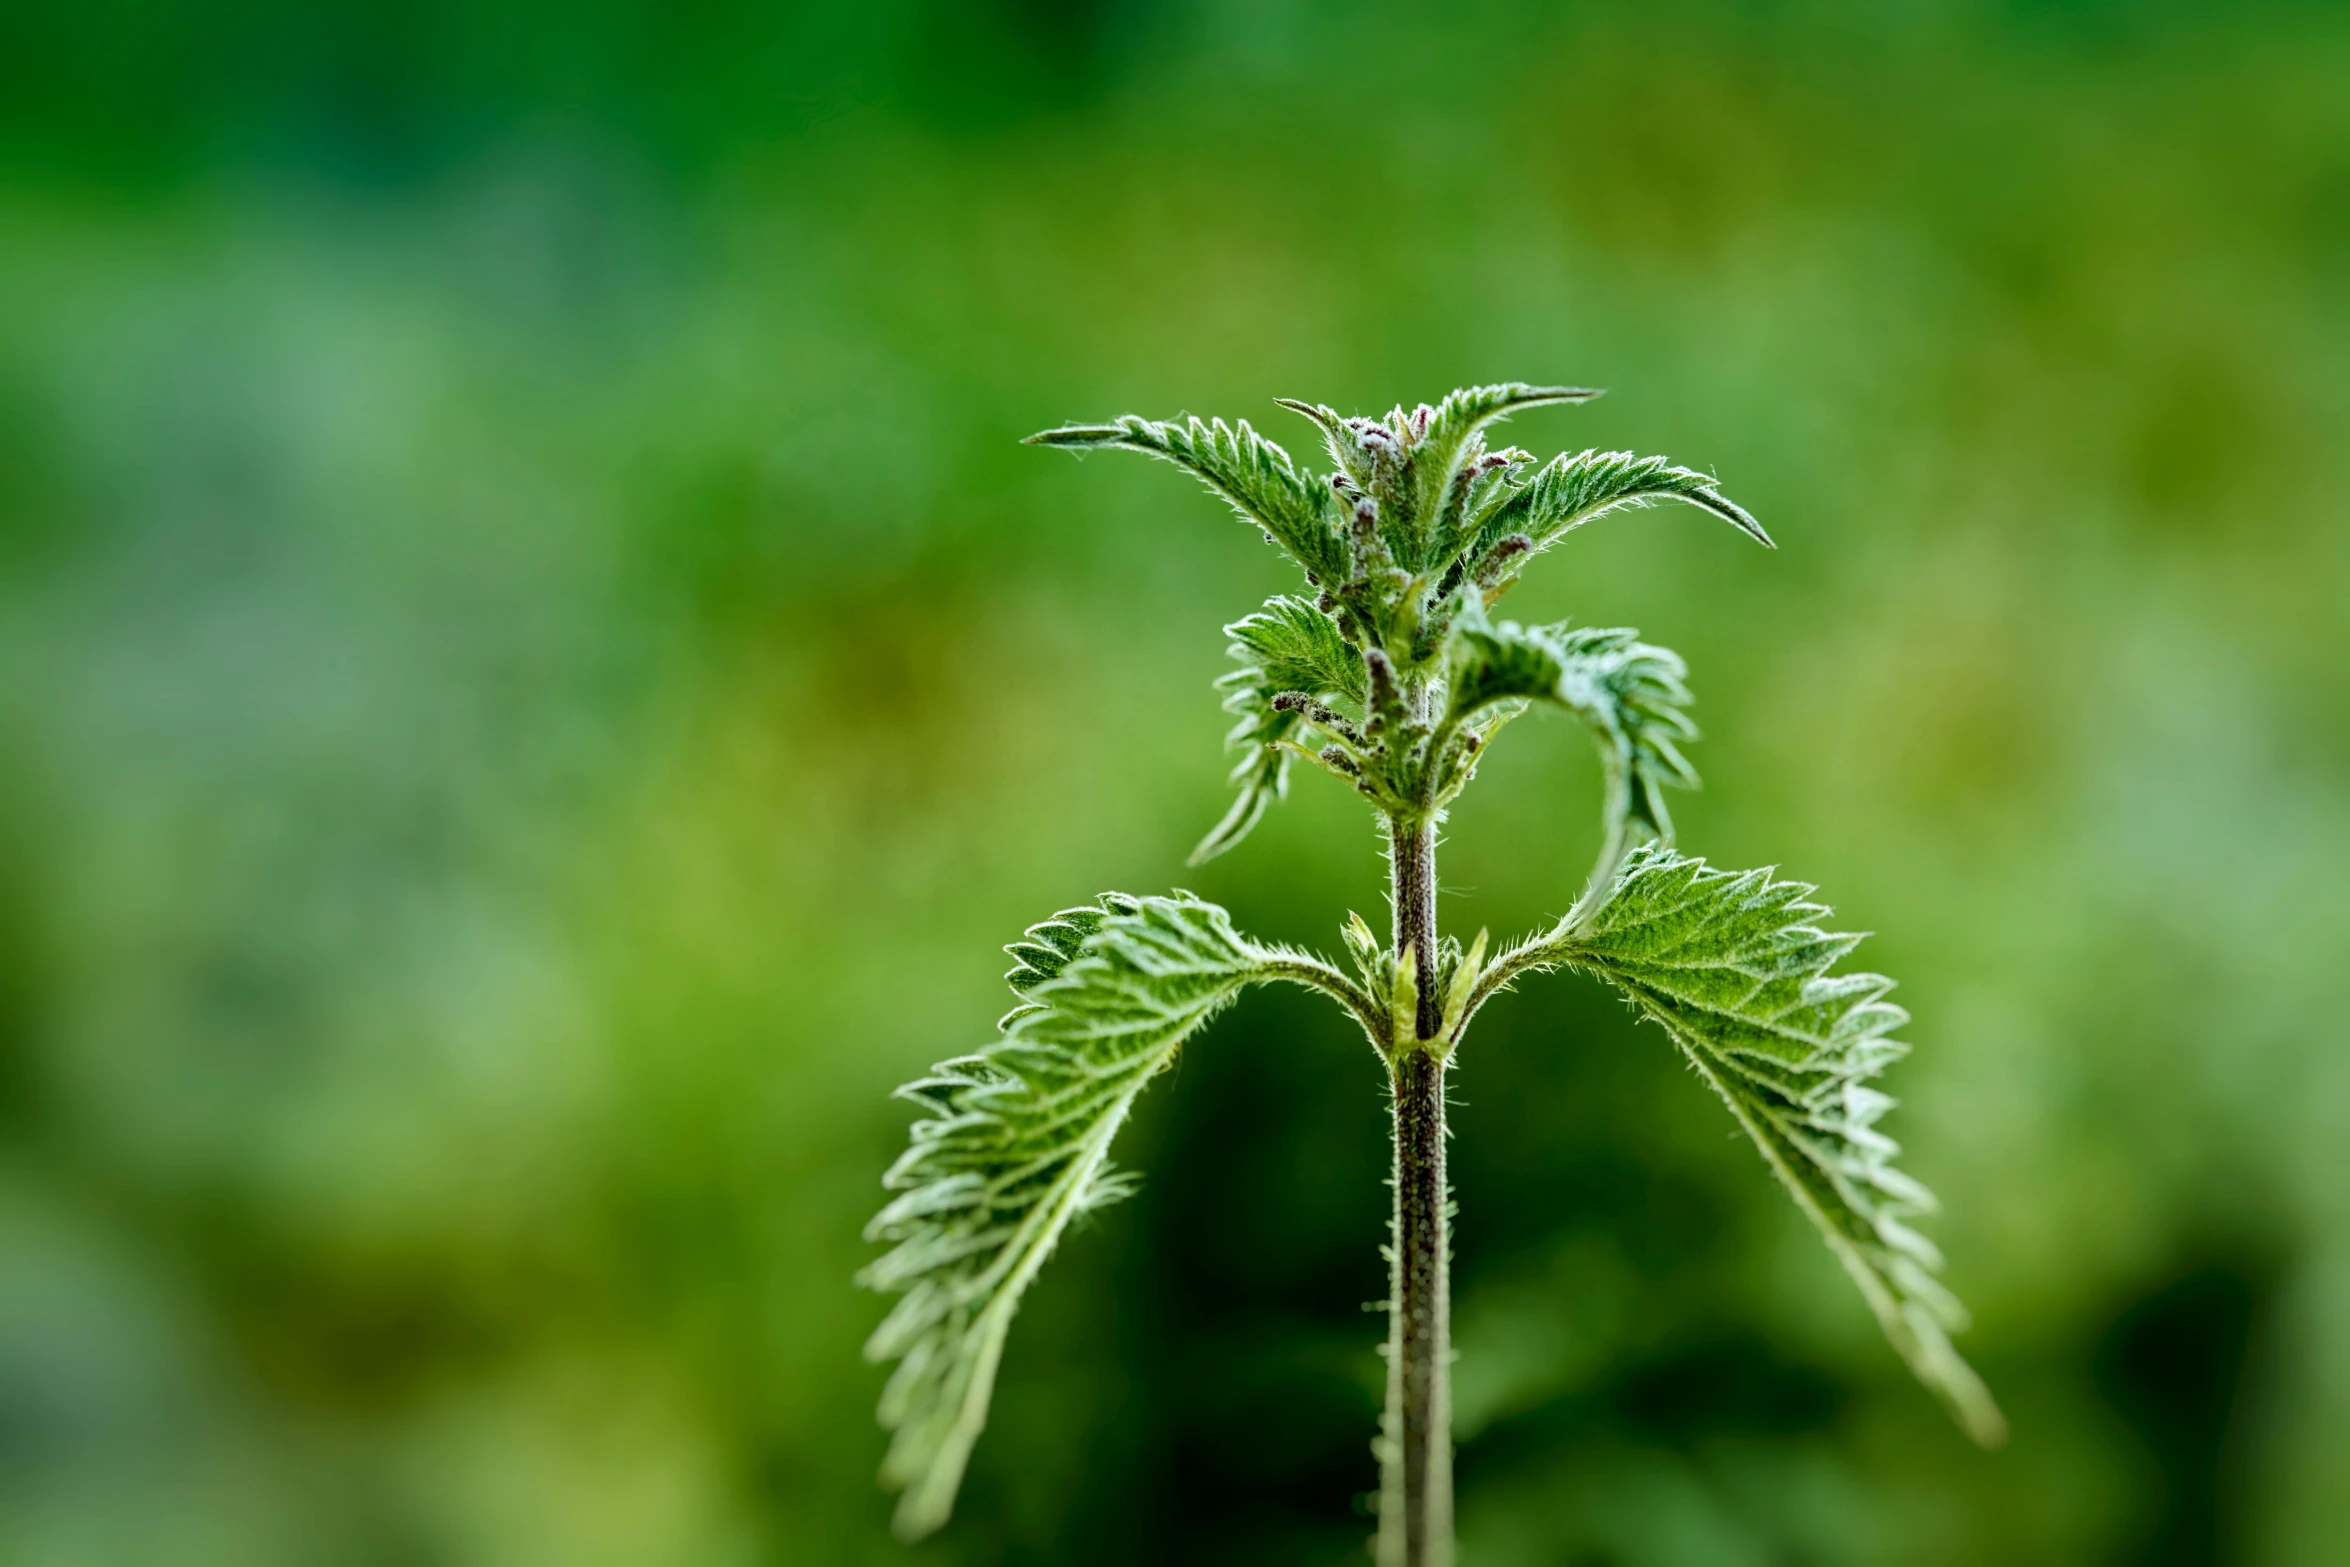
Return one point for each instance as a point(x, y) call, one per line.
point(1391, 675)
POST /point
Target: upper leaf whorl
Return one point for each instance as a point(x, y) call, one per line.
point(1415, 530)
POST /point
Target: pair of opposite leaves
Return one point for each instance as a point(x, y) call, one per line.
point(1734, 967)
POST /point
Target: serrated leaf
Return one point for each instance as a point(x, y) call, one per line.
point(1569, 491)
point(1253, 474)
point(1451, 441)
point(1470, 409)
point(1345, 456)
point(1631, 695)
point(1735, 968)
point(1049, 947)
point(1431, 447)
point(1262, 777)
point(1289, 645)
point(1015, 1144)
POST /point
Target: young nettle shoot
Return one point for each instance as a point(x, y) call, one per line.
point(1390, 673)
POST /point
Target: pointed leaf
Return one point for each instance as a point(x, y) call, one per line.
point(1262, 777)
point(1450, 442)
point(1403, 997)
point(1345, 456)
point(1571, 490)
point(1734, 968)
point(1632, 697)
point(1015, 1144)
point(1289, 645)
point(1465, 412)
point(1256, 476)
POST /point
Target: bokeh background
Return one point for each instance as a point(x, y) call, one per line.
point(535, 679)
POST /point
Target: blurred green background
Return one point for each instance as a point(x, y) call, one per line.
point(536, 678)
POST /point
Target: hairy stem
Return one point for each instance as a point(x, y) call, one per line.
point(1415, 1510)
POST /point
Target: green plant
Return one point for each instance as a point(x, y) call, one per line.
point(1394, 678)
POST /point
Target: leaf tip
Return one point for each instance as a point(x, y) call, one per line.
point(1220, 838)
point(1739, 517)
point(914, 1525)
point(1988, 1427)
point(1077, 435)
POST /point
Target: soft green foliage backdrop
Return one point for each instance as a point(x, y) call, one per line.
point(536, 678)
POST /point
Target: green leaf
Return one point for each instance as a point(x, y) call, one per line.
point(1257, 477)
point(1289, 645)
point(1417, 463)
point(1735, 968)
point(1015, 1144)
point(1262, 777)
point(1465, 412)
point(1450, 443)
point(1630, 695)
point(1569, 491)
point(1337, 439)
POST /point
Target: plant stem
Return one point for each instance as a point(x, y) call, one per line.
point(1415, 1507)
